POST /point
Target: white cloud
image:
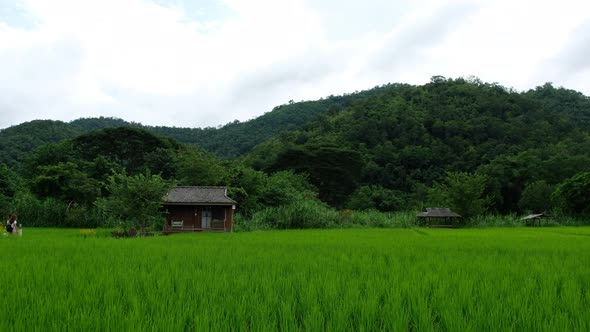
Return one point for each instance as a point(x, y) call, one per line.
point(187, 64)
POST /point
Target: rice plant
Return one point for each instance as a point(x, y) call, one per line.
point(399, 279)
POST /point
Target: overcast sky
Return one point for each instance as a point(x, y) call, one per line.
point(209, 62)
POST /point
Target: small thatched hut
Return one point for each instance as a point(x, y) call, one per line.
point(535, 219)
point(439, 217)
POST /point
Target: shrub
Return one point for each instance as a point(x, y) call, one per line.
point(299, 214)
point(243, 224)
point(573, 194)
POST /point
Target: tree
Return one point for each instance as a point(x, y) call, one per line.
point(244, 183)
point(127, 147)
point(199, 168)
point(376, 197)
point(463, 192)
point(332, 169)
point(285, 187)
point(536, 197)
point(66, 182)
point(45, 155)
point(134, 201)
point(9, 184)
point(573, 194)
point(162, 161)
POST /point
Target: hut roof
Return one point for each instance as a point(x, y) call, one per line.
point(198, 195)
point(438, 213)
point(535, 216)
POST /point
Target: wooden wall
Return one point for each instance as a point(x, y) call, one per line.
point(191, 215)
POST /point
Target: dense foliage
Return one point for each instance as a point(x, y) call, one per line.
point(134, 202)
point(573, 195)
point(474, 147)
point(17, 141)
point(406, 138)
point(228, 141)
point(462, 192)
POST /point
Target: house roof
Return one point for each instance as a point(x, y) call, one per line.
point(438, 213)
point(535, 216)
point(198, 195)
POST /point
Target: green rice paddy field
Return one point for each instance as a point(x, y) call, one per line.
point(499, 279)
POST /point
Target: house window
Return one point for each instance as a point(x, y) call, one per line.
point(218, 212)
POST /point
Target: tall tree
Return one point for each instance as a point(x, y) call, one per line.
point(334, 170)
point(66, 182)
point(200, 168)
point(135, 201)
point(463, 192)
point(9, 185)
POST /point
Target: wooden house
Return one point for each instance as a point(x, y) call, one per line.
point(194, 209)
point(439, 217)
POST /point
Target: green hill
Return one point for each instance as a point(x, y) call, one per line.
point(229, 141)
point(384, 147)
point(403, 138)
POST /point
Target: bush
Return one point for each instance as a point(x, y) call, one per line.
point(299, 214)
point(314, 214)
point(243, 224)
point(84, 217)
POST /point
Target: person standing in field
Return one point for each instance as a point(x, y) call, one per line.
point(11, 224)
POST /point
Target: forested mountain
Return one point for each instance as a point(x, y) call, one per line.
point(229, 141)
point(238, 138)
point(462, 143)
point(18, 140)
point(405, 138)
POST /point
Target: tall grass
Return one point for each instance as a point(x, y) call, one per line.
point(34, 212)
point(522, 279)
point(313, 214)
point(512, 220)
point(509, 220)
point(372, 218)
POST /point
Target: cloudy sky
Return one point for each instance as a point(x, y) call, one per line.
point(208, 62)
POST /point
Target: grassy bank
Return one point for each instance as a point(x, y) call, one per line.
point(349, 279)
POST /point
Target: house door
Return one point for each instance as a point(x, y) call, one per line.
point(206, 217)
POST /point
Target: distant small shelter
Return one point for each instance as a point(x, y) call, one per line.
point(535, 219)
point(198, 208)
point(439, 217)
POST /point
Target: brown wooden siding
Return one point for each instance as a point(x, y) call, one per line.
point(229, 218)
point(191, 216)
point(185, 213)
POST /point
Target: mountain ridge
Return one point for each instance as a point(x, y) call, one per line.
point(228, 141)
point(383, 147)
